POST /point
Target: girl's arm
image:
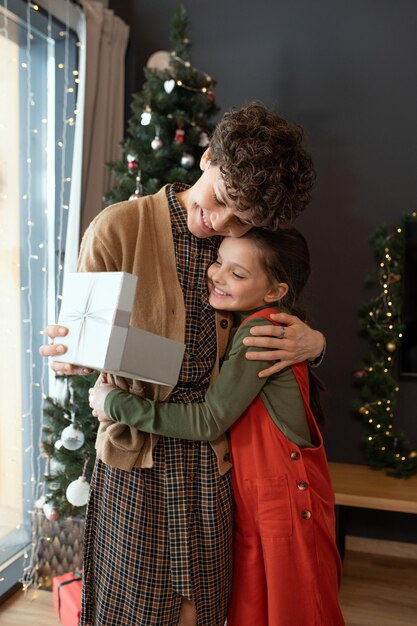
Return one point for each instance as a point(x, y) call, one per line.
point(236, 387)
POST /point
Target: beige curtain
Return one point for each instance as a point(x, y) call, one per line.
point(106, 41)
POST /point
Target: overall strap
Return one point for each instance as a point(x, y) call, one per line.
point(265, 313)
point(300, 370)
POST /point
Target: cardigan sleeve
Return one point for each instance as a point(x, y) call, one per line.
point(94, 254)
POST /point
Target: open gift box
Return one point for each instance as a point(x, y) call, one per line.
point(96, 308)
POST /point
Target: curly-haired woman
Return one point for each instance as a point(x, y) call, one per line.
point(159, 520)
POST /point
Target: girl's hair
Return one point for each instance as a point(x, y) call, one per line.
point(285, 257)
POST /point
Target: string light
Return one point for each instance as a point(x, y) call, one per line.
point(38, 247)
point(382, 324)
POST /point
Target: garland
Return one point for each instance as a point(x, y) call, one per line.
point(380, 322)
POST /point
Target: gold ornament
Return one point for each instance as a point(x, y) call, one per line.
point(393, 278)
point(363, 410)
point(413, 454)
point(391, 346)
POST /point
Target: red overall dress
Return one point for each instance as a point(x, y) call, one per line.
point(286, 567)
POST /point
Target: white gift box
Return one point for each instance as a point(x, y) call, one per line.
point(96, 308)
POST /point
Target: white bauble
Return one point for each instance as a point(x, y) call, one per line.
point(72, 438)
point(187, 160)
point(77, 492)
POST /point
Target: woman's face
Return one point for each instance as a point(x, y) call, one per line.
point(209, 210)
point(237, 279)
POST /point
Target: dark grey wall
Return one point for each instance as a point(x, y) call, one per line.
point(346, 71)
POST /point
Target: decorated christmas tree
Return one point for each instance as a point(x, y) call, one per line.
point(169, 127)
point(375, 377)
point(69, 435)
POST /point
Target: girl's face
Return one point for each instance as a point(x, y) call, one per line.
point(237, 280)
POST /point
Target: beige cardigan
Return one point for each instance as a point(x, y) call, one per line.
point(136, 237)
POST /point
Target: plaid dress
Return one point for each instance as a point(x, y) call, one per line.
point(155, 535)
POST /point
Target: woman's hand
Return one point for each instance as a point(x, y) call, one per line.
point(297, 342)
point(97, 396)
point(54, 331)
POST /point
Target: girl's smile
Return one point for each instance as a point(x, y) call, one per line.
point(238, 280)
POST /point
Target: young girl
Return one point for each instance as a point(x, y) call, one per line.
point(286, 568)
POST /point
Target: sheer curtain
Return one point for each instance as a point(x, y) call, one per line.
point(61, 119)
point(106, 41)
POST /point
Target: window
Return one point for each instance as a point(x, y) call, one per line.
point(38, 87)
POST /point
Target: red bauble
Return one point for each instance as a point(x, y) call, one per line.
point(210, 96)
point(132, 165)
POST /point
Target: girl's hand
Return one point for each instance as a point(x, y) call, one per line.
point(298, 343)
point(54, 331)
point(97, 396)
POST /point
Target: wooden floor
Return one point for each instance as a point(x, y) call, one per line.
point(377, 591)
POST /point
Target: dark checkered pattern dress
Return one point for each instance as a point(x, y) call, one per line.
point(154, 535)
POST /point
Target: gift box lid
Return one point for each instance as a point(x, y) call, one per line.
point(96, 308)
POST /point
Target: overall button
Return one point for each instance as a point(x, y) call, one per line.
point(306, 514)
point(224, 323)
point(294, 456)
point(302, 485)
point(226, 456)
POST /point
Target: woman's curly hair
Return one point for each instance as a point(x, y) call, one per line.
point(265, 169)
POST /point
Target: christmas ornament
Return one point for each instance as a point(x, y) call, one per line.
point(360, 374)
point(157, 143)
point(179, 135)
point(210, 96)
point(204, 140)
point(138, 190)
point(187, 160)
point(363, 410)
point(50, 511)
point(58, 444)
point(145, 118)
point(169, 85)
point(391, 346)
point(77, 492)
point(72, 438)
point(413, 454)
point(394, 278)
point(132, 162)
point(160, 60)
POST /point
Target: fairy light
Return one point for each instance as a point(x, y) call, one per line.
point(63, 162)
point(381, 324)
point(39, 256)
